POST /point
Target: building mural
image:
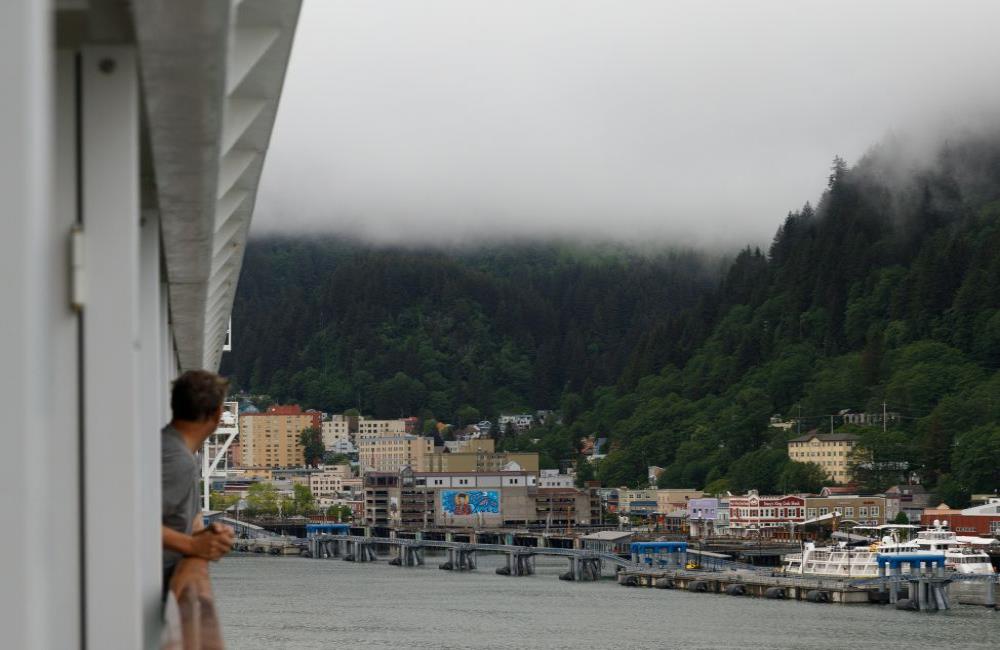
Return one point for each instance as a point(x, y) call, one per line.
point(470, 502)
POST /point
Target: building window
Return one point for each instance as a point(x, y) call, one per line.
point(824, 511)
point(863, 511)
point(849, 511)
point(874, 511)
point(812, 512)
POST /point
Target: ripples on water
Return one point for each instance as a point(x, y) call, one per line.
point(273, 602)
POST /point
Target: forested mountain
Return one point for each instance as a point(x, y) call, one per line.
point(888, 291)
point(447, 334)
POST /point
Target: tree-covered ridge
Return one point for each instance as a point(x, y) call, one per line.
point(888, 291)
point(446, 334)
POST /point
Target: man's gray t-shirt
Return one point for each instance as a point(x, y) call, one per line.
point(180, 487)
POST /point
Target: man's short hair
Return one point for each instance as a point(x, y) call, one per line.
point(197, 395)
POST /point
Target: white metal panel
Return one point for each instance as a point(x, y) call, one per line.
point(154, 391)
point(29, 578)
point(113, 479)
point(63, 372)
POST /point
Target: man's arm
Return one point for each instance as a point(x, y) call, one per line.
point(207, 544)
point(176, 541)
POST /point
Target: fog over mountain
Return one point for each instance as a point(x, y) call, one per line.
point(697, 123)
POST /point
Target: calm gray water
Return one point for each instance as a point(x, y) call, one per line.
point(272, 602)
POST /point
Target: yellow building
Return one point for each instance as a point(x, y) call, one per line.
point(866, 510)
point(639, 502)
point(671, 499)
point(391, 453)
point(367, 428)
point(831, 451)
point(334, 480)
point(271, 439)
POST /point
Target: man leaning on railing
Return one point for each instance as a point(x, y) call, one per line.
point(196, 402)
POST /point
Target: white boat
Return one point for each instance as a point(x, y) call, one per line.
point(962, 555)
point(965, 555)
point(836, 561)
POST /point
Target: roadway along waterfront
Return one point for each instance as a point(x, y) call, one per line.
point(290, 602)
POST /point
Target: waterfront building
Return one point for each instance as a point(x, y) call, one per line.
point(484, 499)
point(393, 452)
point(565, 506)
point(865, 510)
point(982, 520)
point(271, 439)
point(637, 502)
point(831, 451)
point(670, 499)
point(674, 522)
point(479, 499)
point(608, 541)
point(721, 525)
point(701, 516)
point(753, 514)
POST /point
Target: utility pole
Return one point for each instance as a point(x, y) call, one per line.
point(883, 417)
point(798, 422)
point(831, 423)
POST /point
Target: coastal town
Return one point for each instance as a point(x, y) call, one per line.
point(284, 464)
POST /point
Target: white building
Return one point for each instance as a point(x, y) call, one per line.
point(551, 478)
point(133, 136)
point(345, 447)
point(519, 421)
point(336, 429)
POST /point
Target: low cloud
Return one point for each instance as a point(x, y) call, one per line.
point(694, 123)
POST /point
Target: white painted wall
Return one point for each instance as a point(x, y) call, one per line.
point(115, 524)
point(32, 314)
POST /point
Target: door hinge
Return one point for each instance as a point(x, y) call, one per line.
point(77, 269)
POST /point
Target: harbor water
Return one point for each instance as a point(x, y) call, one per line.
point(286, 602)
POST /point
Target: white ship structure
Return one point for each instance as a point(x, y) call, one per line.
point(963, 555)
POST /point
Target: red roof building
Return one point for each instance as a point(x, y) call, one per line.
point(766, 515)
point(982, 521)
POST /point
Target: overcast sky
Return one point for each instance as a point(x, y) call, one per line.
point(689, 122)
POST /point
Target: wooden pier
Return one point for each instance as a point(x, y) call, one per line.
point(748, 583)
point(907, 581)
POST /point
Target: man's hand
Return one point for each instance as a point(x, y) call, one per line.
point(211, 543)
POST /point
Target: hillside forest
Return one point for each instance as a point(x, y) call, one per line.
point(884, 295)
